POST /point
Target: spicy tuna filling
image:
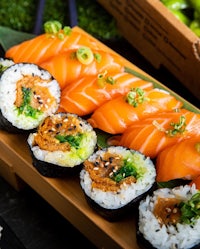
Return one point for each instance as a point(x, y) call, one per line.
point(31, 96)
point(61, 133)
point(110, 171)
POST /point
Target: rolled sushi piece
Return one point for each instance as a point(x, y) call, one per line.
point(61, 143)
point(114, 179)
point(28, 94)
point(170, 218)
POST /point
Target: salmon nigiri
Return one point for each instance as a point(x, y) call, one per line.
point(49, 44)
point(86, 94)
point(153, 134)
point(75, 63)
point(117, 114)
point(180, 161)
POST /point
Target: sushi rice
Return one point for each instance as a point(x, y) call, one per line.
point(126, 192)
point(170, 236)
point(8, 93)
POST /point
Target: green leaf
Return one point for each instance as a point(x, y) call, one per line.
point(10, 37)
point(172, 183)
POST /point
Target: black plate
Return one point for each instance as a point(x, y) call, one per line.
point(8, 238)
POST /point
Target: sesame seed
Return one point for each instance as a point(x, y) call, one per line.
point(175, 210)
point(168, 210)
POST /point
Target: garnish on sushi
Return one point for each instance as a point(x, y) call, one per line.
point(114, 179)
point(28, 94)
point(170, 218)
point(61, 143)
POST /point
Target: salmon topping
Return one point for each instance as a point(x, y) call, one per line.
point(104, 170)
point(31, 94)
point(167, 211)
point(59, 134)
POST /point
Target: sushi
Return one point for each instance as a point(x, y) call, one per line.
point(179, 161)
point(48, 44)
point(28, 94)
point(159, 131)
point(88, 93)
point(116, 115)
point(114, 179)
point(61, 143)
point(169, 219)
point(69, 66)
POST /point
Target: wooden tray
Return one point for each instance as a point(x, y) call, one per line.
point(65, 195)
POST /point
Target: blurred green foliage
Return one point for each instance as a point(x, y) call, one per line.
point(187, 11)
point(93, 18)
point(20, 15)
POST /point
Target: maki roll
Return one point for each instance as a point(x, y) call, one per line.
point(28, 94)
point(114, 179)
point(170, 219)
point(61, 143)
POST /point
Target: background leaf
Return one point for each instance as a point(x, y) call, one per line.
point(10, 37)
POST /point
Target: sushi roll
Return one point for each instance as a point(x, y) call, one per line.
point(61, 143)
point(28, 94)
point(170, 218)
point(114, 179)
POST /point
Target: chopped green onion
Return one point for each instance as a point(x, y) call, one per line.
point(52, 27)
point(177, 127)
point(85, 55)
point(97, 57)
point(126, 170)
point(197, 147)
point(135, 96)
point(103, 79)
point(190, 210)
point(25, 108)
point(74, 141)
